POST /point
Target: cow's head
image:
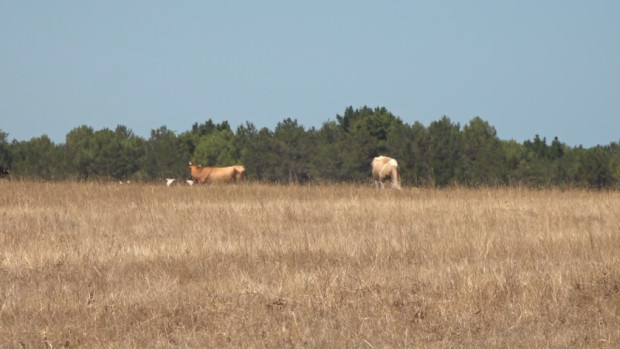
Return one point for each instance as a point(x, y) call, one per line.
point(193, 166)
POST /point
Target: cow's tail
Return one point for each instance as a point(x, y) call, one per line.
point(397, 178)
point(395, 175)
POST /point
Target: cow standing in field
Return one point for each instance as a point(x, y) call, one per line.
point(4, 172)
point(229, 174)
point(385, 169)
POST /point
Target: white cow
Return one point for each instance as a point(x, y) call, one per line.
point(385, 169)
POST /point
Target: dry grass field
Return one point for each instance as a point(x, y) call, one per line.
point(264, 266)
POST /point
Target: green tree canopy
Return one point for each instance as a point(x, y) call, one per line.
point(165, 155)
point(216, 149)
point(341, 150)
point(80, 151)
point(37, 158)
point(442, 151)
point(481, 154)
point(5, 150)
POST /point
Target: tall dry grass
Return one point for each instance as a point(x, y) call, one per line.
point(147, 266)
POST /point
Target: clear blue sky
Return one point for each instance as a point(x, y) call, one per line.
point(527, 67)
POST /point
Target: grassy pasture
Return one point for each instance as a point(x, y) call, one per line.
point(253, 266)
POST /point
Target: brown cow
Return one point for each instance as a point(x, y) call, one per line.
point(230, 174)
point(385, 169)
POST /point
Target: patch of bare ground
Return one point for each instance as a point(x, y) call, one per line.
point(137, 266)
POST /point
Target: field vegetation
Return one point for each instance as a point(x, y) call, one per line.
point(104, 265)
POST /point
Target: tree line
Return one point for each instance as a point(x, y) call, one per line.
point(440, 154)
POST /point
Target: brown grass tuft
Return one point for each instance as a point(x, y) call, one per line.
point(136, 266)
